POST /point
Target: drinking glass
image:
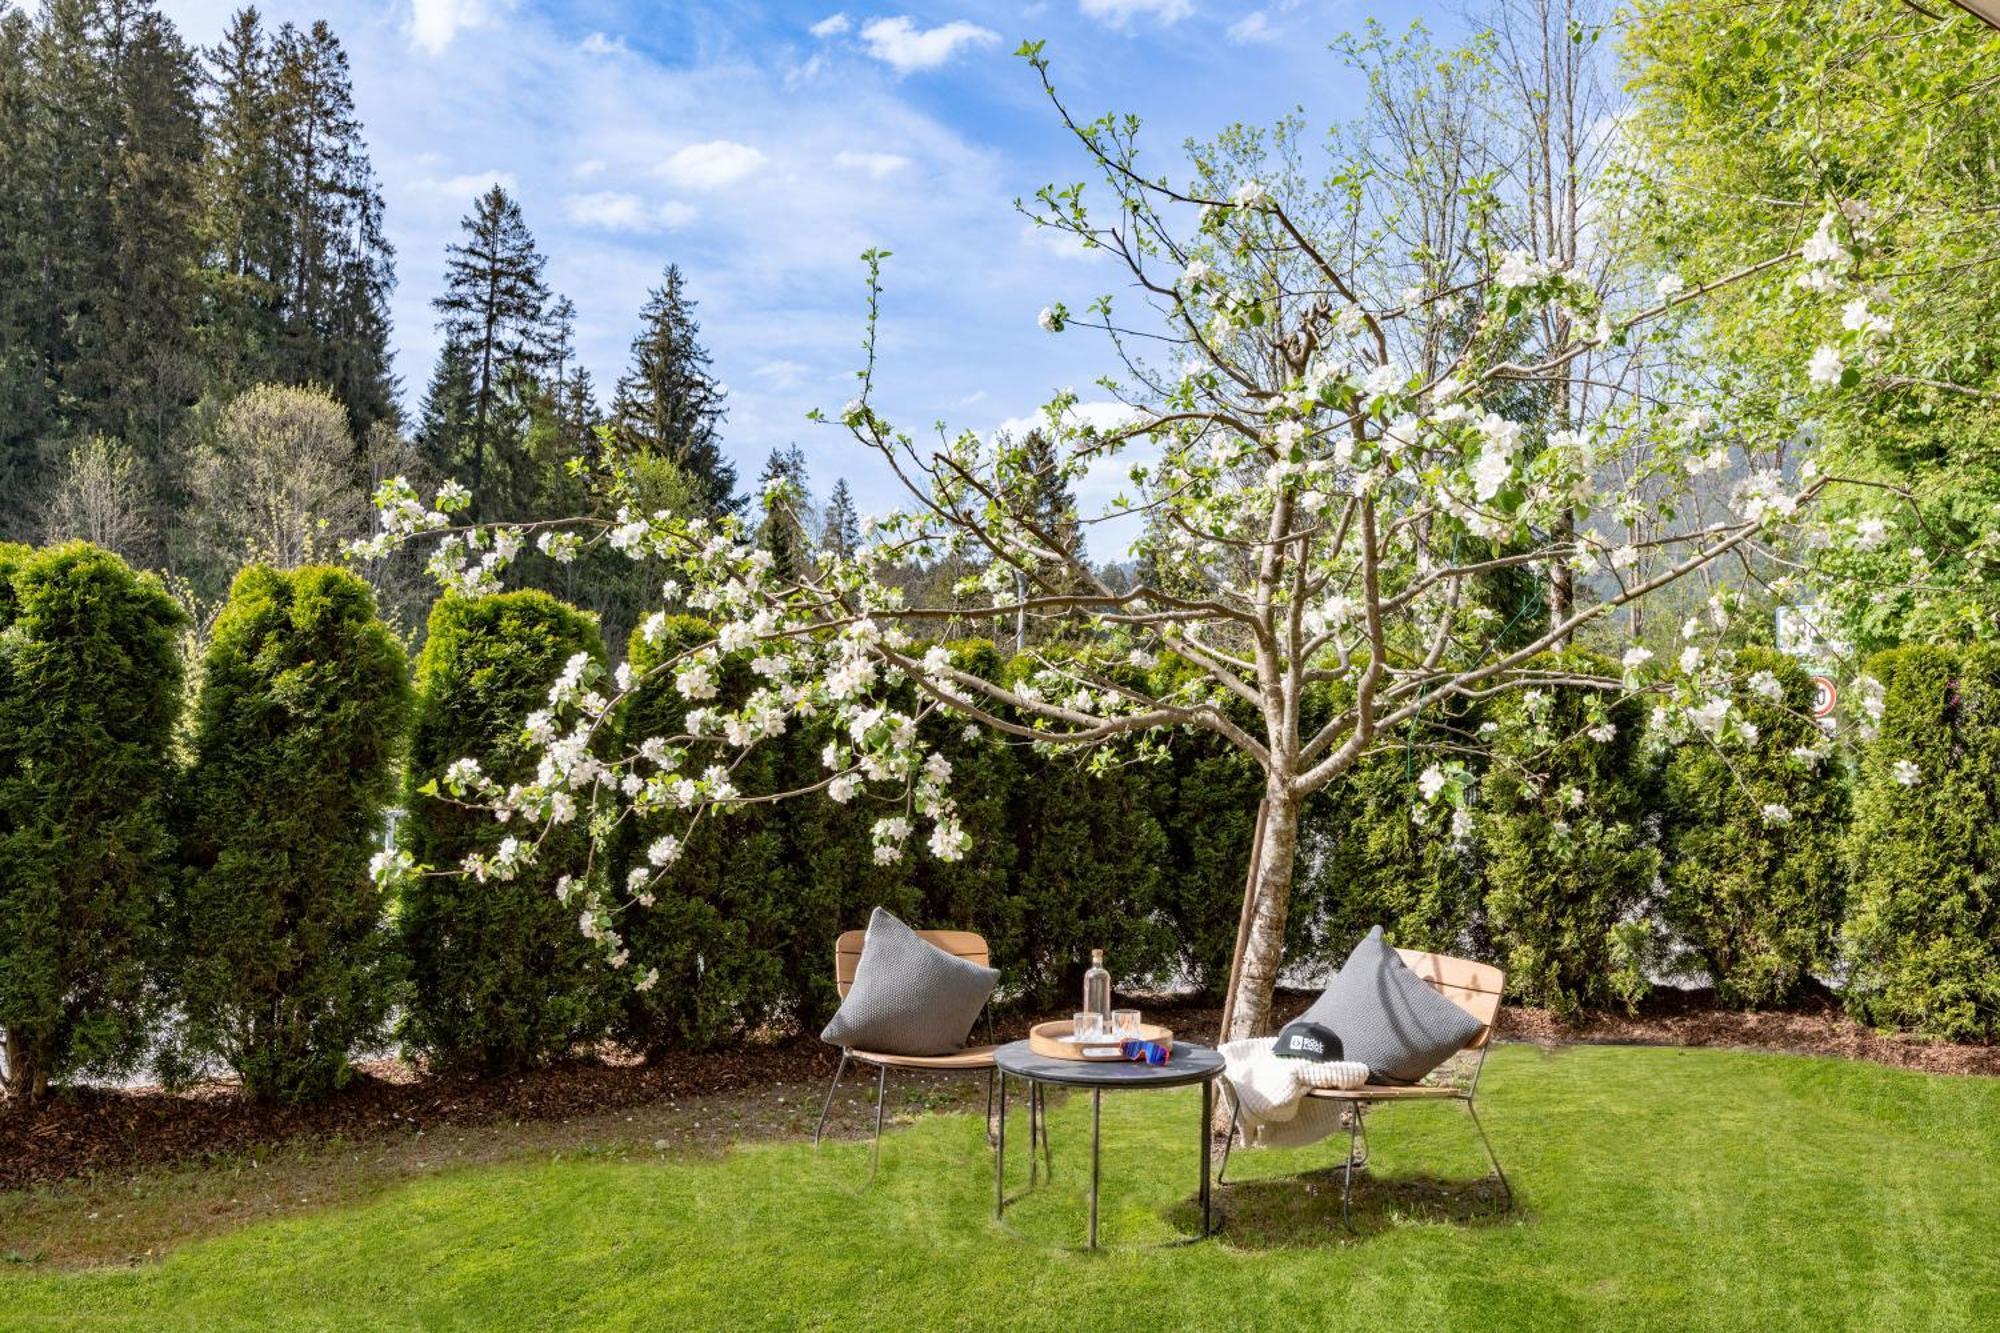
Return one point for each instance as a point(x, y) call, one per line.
point(1125, 1024)
point(1087, 1026)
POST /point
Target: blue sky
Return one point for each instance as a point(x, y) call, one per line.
point(763, 146)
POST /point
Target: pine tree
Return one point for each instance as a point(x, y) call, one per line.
point(103, 143)
point(841, 531)
point(786, 528)
point(340, 266)
point(495, 305)
point(669, 403)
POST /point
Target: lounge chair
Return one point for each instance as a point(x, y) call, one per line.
point(1473, 987)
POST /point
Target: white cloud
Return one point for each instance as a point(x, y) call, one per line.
point(877, 165)
point(598, 44)
point(472, 184)
point(1062, 244)
point(611, 210)
point(1117, 13)
point(587, 168)
point(830, 26)
point(1252, 27)
point(711, 165)
point(433, 23)
point(906, 47)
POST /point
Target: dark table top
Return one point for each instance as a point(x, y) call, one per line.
point(1190, 1063)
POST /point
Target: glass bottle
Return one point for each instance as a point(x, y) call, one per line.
point(1097, 986)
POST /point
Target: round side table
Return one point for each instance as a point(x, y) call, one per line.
point(1190, 1064)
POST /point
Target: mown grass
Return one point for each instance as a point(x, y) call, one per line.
point(1658, 1189)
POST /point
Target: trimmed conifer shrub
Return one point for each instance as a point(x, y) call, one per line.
point(89, 692)
point(501, 975)
point(1568, 865)
point(1923, 940)
point(1752, 841)
point(286, 964)
point(708, 929)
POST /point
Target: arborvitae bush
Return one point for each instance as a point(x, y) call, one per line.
point(1923, 941)
point(501, 975)
point(1393, 859)
point(1091, 864)
point(1568, 865)
point(717, 920)
point(1752, 840)
point(285, 962)
point(89, 693)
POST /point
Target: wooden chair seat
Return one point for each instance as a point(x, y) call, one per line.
point(972, 1057)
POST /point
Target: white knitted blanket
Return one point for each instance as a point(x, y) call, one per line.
point(1271, 1102)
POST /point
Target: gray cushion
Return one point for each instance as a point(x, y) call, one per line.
point(909, 997)
point(1386, 1016)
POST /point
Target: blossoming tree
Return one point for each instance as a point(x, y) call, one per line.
point(1327, 479)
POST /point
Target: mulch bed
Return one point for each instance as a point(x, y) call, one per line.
point(92, 1131)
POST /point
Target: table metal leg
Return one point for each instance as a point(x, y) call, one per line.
point(1000, 1156)
point(1096, 1137)
point(1207, 1130)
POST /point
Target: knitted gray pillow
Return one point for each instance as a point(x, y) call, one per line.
point(909, 997)
point(1386, 1016)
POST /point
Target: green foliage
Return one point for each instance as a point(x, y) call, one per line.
point(1567, 861)
point(1924, 938)
point(1395, 860)
point(285, 962)
point(1753, 897)
point(89, 688)
point(718, 919)
point(501, 976)
point(1761, 117)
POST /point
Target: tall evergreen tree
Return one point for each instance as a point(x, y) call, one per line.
point(495, 306)
point(786, 528)
point(102, 143)
point(840, 532)
point(340, 266)
point(669, 403)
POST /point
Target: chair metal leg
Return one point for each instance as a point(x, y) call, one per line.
point(1000, 1157)
point(989, 1107)
point(881, 1101)
point(827, 1105)
point(1228, 1132)
point(1487, 1143)
point(1347, 1172)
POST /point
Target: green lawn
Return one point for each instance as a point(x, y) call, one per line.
point(1658, 1189)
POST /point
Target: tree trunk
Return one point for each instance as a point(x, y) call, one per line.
point(26, 1079)
point(1260, 953)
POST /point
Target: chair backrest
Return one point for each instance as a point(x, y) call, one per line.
point(1473, 987)
point(958, 943)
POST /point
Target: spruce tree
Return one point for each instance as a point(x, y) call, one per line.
point(340, 266)
point(495, 305)
point(786, 528)
point(669, 403)
point(841, 530)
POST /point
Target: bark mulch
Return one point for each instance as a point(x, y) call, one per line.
point(96, 1132)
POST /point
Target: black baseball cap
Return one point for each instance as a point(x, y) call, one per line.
point(1308, 1041)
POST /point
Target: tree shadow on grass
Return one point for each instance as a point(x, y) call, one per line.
point(1303, 1209)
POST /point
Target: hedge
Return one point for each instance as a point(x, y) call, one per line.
point(1568, 861)
point(501, 976)
point(287, 965)
point(89, 682)
point(1924, 939)
point(1752, 843)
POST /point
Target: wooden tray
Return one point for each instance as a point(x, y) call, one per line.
point(1052, 1040)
